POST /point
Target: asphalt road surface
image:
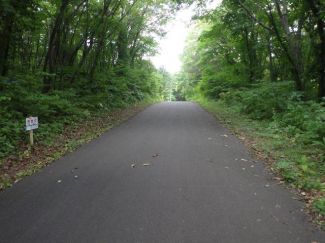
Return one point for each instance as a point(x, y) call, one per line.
point(202, 187)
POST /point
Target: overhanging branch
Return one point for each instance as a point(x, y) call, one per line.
point(253, 17)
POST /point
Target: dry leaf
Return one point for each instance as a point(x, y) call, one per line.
point(277, 206)
point(277, 178)
point(224, 135)
point(76, 177)
point(244, 160)
point(303, 193)
point(146, 164)
point(155, 155)
point(132, 166)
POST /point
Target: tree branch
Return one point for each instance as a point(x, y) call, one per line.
point(253, 17)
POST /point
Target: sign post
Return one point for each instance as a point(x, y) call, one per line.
point(31, 124)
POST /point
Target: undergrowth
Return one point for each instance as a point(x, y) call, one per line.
point(22, 98)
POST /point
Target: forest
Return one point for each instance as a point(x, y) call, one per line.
point(260, 67)
point(255, 64)
point(265, 60)
point(64, 60)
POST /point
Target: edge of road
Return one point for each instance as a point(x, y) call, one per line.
point(30, 159)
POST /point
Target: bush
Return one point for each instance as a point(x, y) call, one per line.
point(260, 101)
point(319, 206)
point(22, 97)
point(306, 118)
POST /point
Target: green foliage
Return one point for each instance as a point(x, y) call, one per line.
point(311, 184)
point(66, 60)
point(59, 108)
point(290, 176)
point(304, 118)
point(260, 101)
point(319, 206)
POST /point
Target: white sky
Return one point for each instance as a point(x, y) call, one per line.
point(172, 45)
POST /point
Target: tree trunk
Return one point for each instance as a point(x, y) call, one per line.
point(296, 70)
point(315, 8)
point(6, 45)
point(273, 74)
point(47, 81)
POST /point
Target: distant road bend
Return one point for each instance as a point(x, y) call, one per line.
point(198, 186)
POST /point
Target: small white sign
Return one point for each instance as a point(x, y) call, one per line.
point(31, 123)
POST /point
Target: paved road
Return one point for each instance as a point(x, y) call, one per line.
point(198, 189)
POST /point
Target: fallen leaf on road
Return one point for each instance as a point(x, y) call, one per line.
point(303, 193)
point(76, 177)
point(267, 185)
point(146, 164)
point(244, 160)
point(279, 220)
point(132, 166)
point(277, 206)
point(277, 178)
point(155, 155)
point(252, 166)
point(224, 135)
